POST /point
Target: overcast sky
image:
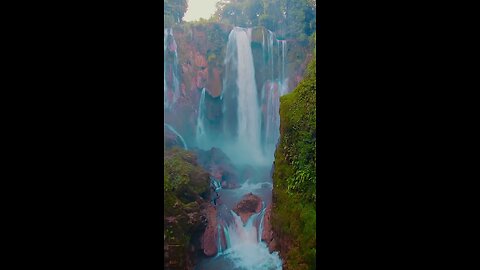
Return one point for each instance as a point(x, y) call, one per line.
point(199, 9)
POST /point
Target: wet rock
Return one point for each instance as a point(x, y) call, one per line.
point(267, 234)
point(214, 82)
point(219, 166)
point(185, 186)
point(249, 205)
point(273, 246)
point(209, 238)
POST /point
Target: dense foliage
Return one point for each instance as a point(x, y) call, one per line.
point(186, 185)
point(290, 19)
point(173, 11)
point(294, 193)
point(182, 175)
point(298, 129)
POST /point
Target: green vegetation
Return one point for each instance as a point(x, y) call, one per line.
point(217, 43)
point(185, 183)
point(294, 193)
point(183, 177)
point(298, 136)
point(173, 11)
point(290, 19)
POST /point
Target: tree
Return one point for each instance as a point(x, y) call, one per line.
point(173, 11)
point(292, 19)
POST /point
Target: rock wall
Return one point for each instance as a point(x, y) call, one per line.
point(201, 52)
point(187, 210)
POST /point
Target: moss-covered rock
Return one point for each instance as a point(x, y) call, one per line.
point(186, 192)
point(293, 215)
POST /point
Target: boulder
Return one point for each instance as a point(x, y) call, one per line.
point(209, 238)
point(267, 234)
point(249, 205)
point(219, 166)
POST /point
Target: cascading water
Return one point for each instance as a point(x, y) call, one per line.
point(250, 133)
point(243, 248)
point(171, 84)
point(260, 226)
point(165, 89)
point(248, 111)
point(178, 135)
point(270, 47)
point(283, 80)
point(242, 233)
point(272, 89)
point(216, 185)
point(200, 134)
point(219, 240)
point(271, 118)
point(241, 105)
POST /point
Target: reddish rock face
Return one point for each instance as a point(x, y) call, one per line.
point(214, 82)
point(201, 70)
point(249, 205)
point(267, 234)
point(209, 238)
point(193, 47)
point(219, 166)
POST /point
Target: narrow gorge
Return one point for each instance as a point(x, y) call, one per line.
point(239, 143)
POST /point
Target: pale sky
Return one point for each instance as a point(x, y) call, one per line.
point(199, 9)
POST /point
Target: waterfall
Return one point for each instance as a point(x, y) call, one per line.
point(244, 248)
point(248, 111)
point(227, 237)
point(249, 34)
point(260, 226)
point(229, 89)
point(215, 184)
point(244, 233)
point(272, 118)
point(263, 42)
point(165, 102)
point(284, 80)
point(242, 117)
point(219, 241)
point(178, 135)
point(200, 134)
point(272, 89)
point(250, 132)
point(165, 89)
point(270, 46)
point(241, 234)
point(250, 232)
point(171, 83)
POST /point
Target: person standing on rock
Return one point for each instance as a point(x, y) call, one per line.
point(215, 199)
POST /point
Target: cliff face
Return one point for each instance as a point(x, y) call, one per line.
point(201, 50)
point(190, 219)
point(186, 210)
point(293, 215)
